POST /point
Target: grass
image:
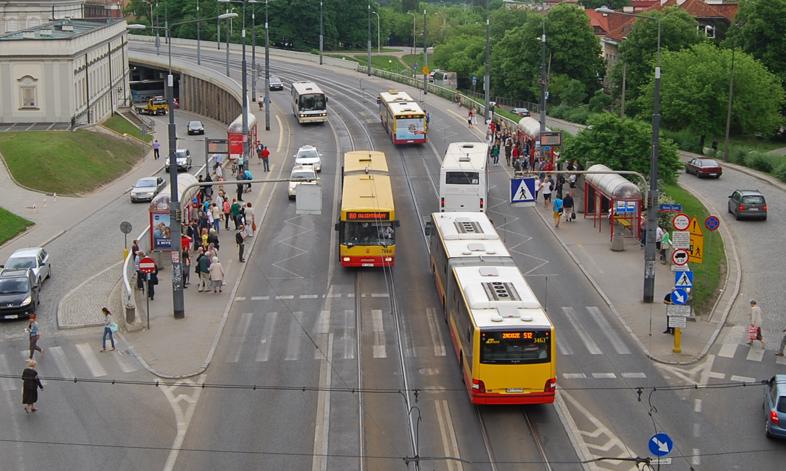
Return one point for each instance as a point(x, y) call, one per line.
point(11, 225)
point(411, 59)
point(67, 163)
point(707, 275)
point(389, 63)
point(123, 126)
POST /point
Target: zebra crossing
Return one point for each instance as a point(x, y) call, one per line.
point(733, 346)
point(77, 360)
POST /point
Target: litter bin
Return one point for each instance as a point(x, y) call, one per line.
point(618, 241)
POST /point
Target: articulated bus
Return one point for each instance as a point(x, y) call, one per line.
point(309, 104)
point(402, 118)
point(503, 339)
point(367, 222)
point(463, 177)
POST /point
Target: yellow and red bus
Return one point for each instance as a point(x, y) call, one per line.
point(367, 222)
point(402, 118)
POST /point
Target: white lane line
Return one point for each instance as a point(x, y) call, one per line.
point(333, 295)
point(697, 430)
point(717, 375)
point(379, 295)
point(322, 328)
point(448, 435)
point(634, 375)
point(742, 379)
point(696, 458)
point(349, 328)
point(351, 295)
point(91, 360)
point(322, 427)
point(263, 352)
point(308, 296)
point(780, 360)
point(728, 350)
point(592, 347)
point(379, 334)
point(125, 363)
point(295, 337)
point(755, 354)
point(60, 361)
point(240, 298)
point(611, 334)
point(574, 376)
point(288, 296)
point(563, 346)
point(260, 298)
point(238, 337)
point(697, 406)
point(436, 334)
point(7, 384)
point(604, 375)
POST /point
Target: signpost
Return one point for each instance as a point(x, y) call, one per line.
point(679, 297)
point(696, 241)
point(683, 279)
point(125, 228)
point(147, 266)
point(670, 207)
point(522, 191)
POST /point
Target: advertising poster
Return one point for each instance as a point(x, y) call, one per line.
point(409, 129)
point(161, 231)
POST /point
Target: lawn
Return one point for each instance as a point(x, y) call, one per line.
point(11, 225)
point(389, 63)
point(121, 125)
point(67, 163)
point(411, 59)
point(707, 275)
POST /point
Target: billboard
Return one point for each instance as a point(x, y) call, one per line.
point(410, 128)
point(160, 231)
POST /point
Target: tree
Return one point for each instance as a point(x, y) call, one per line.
point(613, 4)
point(694, 92)
point(759, 30)
point(622, 144)
point(567, 91)
point(461, 54)
point(503, 20)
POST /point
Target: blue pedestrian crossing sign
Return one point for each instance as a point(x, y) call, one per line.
point(683, 279)
point(679, 297)
point(522, 191)
point(660, 444)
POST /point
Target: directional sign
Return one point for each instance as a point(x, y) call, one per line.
point(680, 239)
point(660, 444)
point(680, 222)
point(474, 80)
point(522, 191)
point(695, 227)
point(679, 297)
point(696, 248)
point(683, 279)
point(670, 207)
point(679, 257)
point(712, 223)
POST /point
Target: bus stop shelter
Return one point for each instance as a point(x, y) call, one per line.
point(613, 197)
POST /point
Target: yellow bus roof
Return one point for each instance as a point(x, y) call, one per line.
point(358, 161)
point(394, 95)
point(367, 193)
point(405, 107)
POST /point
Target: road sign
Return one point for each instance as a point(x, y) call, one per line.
point(678, 321)
point(125, 227)
point(680, 221)
point(670, 207)
point(695, 227)
point(147, 265)
point(712, 223)
point(474, 80)
point(696, 248)
point(425, 70)
point(683, 279)
point(678, 310)
point(522, 191)
point(679, 297)
point(679, 257)
point(680, 239)
point(660, 444)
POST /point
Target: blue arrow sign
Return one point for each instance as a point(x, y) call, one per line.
point(660, 444)
point(522, 190)
point(679, 297)
point(683, 279)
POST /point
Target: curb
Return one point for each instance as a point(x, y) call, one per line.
point(757, 175)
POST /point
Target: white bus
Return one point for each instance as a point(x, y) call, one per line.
point(463, 177)
point(309, 103)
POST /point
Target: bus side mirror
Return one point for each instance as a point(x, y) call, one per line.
point(326, 99)
point(428, 228)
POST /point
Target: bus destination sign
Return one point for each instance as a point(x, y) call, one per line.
point(373, 216)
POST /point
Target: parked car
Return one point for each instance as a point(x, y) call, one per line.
point(309, 155)
point(276, 83)
point(196, 127)
point(704, 168)
point(523, 112)
point(748, 204)
point(18, 293)
point(775, 407)
point(301, 175)
point(146, 188)
point(33, 258)
point(183, 160)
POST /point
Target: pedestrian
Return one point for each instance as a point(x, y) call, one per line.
point(218, 171)
point(266, 158)
point(212, 239)
point(156, 149)
point(508, 149)
point(235, 212)
point(567, 207)
point(557, 208)
point(30, 385)
point(186, 266)
point(203, 262)
point(667, 302)
point(250, 221)
point(537, 187)
point(495, 154)
point(240, 239)
point(33, 334)
point(469, 118)
point(109, 328)
point(140, 277)
point(783, 345)
point(215, 211)
point(258, 149)
point(547, 188)
point(185, 239)
point(208, 188)
point(227, 210)
point(665, 245)
point(134, 248)
point(754, 330)
point(216, 275)
point(658, 237)
point(240, 191)
point(152, 281)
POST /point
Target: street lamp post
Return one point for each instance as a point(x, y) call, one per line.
point(321, 32)
point(253, 53)
point(425, 55)
point(414, 17)
point(199, 59)
point(487, 74)
point(368, 69)
point(229, 31)
point(379, 44)
point(244, 75)
point(543, 78)
point(728, 110)
point(267, 73)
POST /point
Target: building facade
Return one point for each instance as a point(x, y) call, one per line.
point(67, 71)
point(16, 15)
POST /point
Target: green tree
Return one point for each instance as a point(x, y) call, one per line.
point(759, 30)
point(567, 91)
point(461, 54)
point(503, 20)
point(694, 92)
point(622, 144)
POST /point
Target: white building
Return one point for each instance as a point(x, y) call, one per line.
point(66, 71)
point(23, 14)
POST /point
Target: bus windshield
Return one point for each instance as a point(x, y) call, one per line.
point(312, 102)
point(515, 347)
point(369, 233)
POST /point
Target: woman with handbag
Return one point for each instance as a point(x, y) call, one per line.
point(109, 328)
point(754, 329)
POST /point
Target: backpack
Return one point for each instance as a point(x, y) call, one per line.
point(238, 238)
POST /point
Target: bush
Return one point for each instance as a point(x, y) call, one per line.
point(599, 102)
point(559, 112)
point(738, 155)
point(780, 171)
point(684, 140)
point(759, 161)
point(578, 114)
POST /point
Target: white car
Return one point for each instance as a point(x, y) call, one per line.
point(34, 258)
point(183, 160)
point(309, 155)
point(146, 188)
point(301, 175)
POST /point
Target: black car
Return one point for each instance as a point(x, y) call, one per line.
point(18, 293)
point(195, 127)
point(275, 83)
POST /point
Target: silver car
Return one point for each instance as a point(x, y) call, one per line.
point(309, 155)
point(183, 160)
point(146, 188)
point(34, 258)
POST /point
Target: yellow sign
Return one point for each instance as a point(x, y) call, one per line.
point(696, 251)
point(695, 228)
point(425, 70)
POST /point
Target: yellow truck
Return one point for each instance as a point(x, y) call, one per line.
point(156, 105)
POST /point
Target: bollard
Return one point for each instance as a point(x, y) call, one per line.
point(677, 340)
point(618, 241)
point(125, 253)
point(130, 314)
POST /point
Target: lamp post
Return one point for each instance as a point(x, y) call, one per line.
point(652, 217)
point(267, 73)
point(487, 74)
point(321, 32)
point(155, 20)
point(379, 44)
point(543, 77)
point(199, 58)
point(253, 52)
point(425, 56)
point(229, 31)
point(368, 69)
point(414, 17)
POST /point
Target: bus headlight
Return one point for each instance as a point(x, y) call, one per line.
point(388, 259)
point(346, 259)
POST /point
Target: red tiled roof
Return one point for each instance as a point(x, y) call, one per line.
point(699, 9)
point(612, 25)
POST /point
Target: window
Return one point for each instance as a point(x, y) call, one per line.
point(28, 92)
point(462, 178)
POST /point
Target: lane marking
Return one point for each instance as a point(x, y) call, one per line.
point(697, 406)
point(125, 363)
point(728, 350)
point(322, 427)
point(755, 354)
point(436, 334)
point(238, 337)
point(604, 375)
point(289, 296)
point(322, 328)
point(379, 348)
point(592, 347)
point(7, 384)
point(295, 337)
point(308, 296)
point(263, 352)
point(349, 327)
point(182, 417)
point(260, 298)
point(448, 435)
point(742, 379)
point(696, 458)
point(379, 295)
point(611, 334)
point(61, 362)
point(240, 298)
point(91, 360)
point(563, 346)
point(717, 375)
point(574, 376)
point(634, 375)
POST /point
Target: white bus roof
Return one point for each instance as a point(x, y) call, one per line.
point(464, 226)
point(466, 156)
point(305, 88)
point(475, 248)
point(499, 297)
point(405, 107)
point(395, 95)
